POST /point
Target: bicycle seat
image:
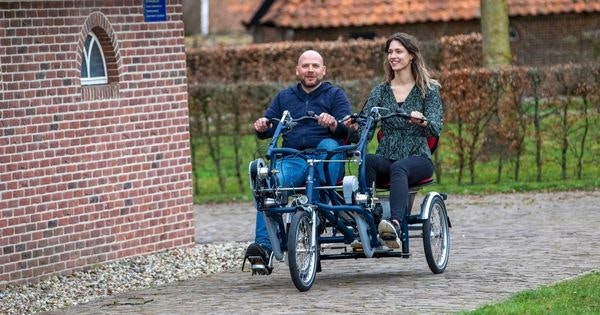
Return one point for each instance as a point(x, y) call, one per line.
point(419, 184)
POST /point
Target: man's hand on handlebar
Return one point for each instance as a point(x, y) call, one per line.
point(262, 124)
point(327, 121)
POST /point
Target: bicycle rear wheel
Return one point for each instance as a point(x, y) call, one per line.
point(436, 236)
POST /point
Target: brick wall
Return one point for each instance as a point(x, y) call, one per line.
point(558, 39)
point(96, 173)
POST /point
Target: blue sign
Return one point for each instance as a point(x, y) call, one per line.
point(155, 11)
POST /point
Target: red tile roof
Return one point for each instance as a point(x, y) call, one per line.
point(341, 13)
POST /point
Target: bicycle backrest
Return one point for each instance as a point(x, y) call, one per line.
point(432, 141)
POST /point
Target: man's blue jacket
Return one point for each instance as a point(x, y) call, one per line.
point(307, 134)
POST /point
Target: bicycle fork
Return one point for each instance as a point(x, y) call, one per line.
point(310, 183)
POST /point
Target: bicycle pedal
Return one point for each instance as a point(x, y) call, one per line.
point(256, 261)
point(258, 265)
point(259, 269)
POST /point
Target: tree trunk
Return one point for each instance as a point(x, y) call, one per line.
point(535, 85)
point(518, 159)
point(236, 150)
point(496, 44)
point(461, 153)
point(499, 170)
point(214, 144)
point(494, 31)
point(538, 139)
point(565, 141)
point(586, 127)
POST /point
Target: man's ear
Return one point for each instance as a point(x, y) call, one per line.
point(324, 70)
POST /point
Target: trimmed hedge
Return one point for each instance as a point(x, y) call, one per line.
point(345, 60)
point(276, 62)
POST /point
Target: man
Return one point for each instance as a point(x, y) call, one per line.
point(329, 104)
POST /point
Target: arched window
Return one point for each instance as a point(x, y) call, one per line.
point(93, 63)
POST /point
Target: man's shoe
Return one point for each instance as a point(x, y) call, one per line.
point(389, 232)
point(260, 258)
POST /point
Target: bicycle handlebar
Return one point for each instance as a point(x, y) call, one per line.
point(289, 123)
point(402, 114)
point(309, 115)
point(356, 117)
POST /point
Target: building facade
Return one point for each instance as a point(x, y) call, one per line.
point(541, 32)
point(222, 16)
point(94, 143)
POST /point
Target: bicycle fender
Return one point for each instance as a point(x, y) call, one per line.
point(426, 204)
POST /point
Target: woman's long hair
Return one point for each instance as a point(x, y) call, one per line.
point(419, 70)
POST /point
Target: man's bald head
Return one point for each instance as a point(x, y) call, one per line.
point(311, 55)
point(310, 70)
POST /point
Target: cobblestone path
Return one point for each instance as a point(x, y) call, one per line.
point(501, 244)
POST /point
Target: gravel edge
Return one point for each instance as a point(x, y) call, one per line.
point(126, 275)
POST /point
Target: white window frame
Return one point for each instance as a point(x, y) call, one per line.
point(87, 51)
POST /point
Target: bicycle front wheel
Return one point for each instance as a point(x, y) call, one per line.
point(302, 257)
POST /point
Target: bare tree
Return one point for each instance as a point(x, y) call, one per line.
point(496, 54)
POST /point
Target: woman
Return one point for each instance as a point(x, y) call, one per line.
point(403, 157)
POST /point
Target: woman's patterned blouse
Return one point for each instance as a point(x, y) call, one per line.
point(401, 138)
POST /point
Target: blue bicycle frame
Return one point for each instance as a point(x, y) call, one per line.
point(272, 207)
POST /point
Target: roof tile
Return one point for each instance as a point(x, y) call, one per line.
point(335, 13)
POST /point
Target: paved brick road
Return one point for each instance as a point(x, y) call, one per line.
point(501, 244)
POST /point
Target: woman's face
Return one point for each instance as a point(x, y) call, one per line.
point(398, 57)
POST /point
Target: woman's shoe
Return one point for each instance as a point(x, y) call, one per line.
point(357, 246)
point(389, 232)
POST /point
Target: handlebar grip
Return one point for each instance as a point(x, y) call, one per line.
point(353, 118)
point(403, 115)
point(408, 116)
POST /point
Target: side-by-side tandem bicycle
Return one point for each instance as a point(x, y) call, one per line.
point(308, 230)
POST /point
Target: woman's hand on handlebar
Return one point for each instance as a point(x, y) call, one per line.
point(350, 123)
point(418, 118)
point(262, 124)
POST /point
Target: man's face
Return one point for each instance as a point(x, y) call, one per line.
point(310, 70)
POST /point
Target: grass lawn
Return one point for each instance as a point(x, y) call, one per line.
point(576, 296)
